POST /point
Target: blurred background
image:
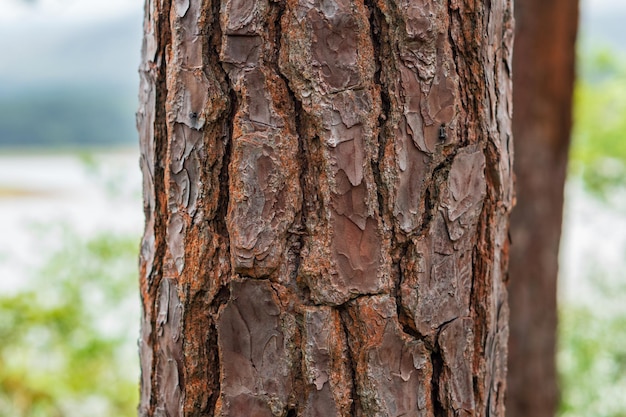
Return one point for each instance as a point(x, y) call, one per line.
point(70, 207)
point(71, 213)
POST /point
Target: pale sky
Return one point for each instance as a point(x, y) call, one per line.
point(20, 11)
point(15, 11)
point(604, 5)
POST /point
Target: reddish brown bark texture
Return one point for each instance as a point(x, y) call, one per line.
point(543, 82)
point(327, 189)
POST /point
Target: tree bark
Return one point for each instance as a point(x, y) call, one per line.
point(543, 81)
point(327, 186)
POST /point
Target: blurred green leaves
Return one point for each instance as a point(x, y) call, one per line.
point(592, 363)
point(592, 336)
point(598, 152)
point(68, 342)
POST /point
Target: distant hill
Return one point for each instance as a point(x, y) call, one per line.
point(70, 86)
point(67, 116)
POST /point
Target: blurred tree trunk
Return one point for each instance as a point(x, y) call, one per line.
point(543, 79)
point(327, 186)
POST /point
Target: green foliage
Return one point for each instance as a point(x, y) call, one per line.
point(592, 339)
point(68, 342)
point(598, 153)
point(592, 363)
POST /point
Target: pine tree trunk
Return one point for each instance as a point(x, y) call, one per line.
point(327, 186)
point(543, 82)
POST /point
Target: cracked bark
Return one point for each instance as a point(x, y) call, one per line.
point(327, 189)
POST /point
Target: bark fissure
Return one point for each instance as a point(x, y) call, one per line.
point(439, 410)
point(356, 408)
point(407, 323)
point(224, 189)
point(375, 16)
point(301, 229)
point(214, 376)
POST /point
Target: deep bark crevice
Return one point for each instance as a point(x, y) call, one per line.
point(436, 360)
point(406, 322)
point(431, 197)
point(301, 229)
point(431, 194)
point(213, 373)
point(378, 37)
point(220, 299)
point(224, 176)
point(344, 316)
point(202, 303)
point(211, 53)
point(296, 397)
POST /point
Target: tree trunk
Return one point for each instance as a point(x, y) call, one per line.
point(327, 186)
point(543, 81)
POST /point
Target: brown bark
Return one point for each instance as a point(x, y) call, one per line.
point(543, 69)
point(327, 189)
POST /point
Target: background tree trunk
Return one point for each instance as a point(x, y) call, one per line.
point(327, 189)
point(543, 81)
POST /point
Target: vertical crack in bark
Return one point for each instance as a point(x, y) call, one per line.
point(437, 362)
point(224, 184)
point(224, 178)
point(406, 323)
point(375, 19)
point(474, 305)
point(213, 378)
point(432, 197)
point(301, 229)
point(212, 54)
point(356, 409)
point(220, 299)
point(213, 374)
